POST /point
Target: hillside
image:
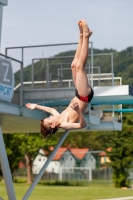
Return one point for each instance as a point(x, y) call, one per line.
point(123, 65)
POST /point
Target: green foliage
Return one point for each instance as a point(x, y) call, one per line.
point(121, 153)
point(13, 152)
point(120, 179)
point(19, 145)
point(31, 143)
point(64, 183)
point(91, 139)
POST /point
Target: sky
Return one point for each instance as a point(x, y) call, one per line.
point(37, 22)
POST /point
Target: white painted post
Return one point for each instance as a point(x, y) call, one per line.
point(90, 174)
point(60, 174)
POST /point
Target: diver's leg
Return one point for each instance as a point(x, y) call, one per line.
point(81, 76)
point(77, 54)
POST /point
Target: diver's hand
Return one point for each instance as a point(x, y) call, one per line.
point(31, 105)
point(74, 105)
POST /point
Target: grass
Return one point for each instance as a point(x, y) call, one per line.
point(90, 192)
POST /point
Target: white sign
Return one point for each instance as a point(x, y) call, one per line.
point(6, 79)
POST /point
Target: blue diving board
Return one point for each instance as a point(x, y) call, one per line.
point(124, 110)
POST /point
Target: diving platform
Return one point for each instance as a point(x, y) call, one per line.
point(16, 118)
point(122, 94)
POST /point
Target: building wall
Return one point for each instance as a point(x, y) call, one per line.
point(88, 161)
point(54, 166)
point(104, 159)
point(38, 163)
point(67, 160)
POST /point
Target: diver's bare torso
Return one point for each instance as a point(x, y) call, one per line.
point(71, 116)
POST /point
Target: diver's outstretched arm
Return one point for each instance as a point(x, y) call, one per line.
point(44, 108)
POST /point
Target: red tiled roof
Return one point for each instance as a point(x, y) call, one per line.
point(45, 152)
point(59, 153)
point(103, 153)
point(78, 152)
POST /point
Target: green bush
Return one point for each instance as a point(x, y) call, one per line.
point(121, 179)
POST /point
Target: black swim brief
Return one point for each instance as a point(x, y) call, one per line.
point(86, 98)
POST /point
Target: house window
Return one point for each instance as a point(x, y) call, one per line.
point(84, 159)
point(71, 158)
point(77, 164)
point(62, 158)
point(39, 159)
point(91, 159)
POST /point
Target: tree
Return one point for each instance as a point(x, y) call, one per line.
point(25, 145)
point(13, 153)
point(121, 154)
point(29, 147)
point(91, 139)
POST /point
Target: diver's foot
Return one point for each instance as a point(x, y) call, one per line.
point(80, 28)
point(86, 31)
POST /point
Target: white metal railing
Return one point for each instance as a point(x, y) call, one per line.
point(69, 81)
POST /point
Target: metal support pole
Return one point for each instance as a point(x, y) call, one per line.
point(21, 83)
point(50, 80)
point(47, 73)
point(113, 113)
point(112, 69)
point(92, 63)
point(21, 89)
point(6, 170)
point(60, 80)
point(32, 72)
point(45, 165)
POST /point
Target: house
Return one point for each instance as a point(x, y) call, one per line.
point(104, 158)
point(83, 157)
point(39, 161)
point(62, 158)
point(65, 158)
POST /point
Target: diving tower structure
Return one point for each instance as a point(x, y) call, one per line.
point(103, 113)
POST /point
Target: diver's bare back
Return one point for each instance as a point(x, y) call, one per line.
point(69, 115)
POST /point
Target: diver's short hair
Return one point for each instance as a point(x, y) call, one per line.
point(46, 130)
